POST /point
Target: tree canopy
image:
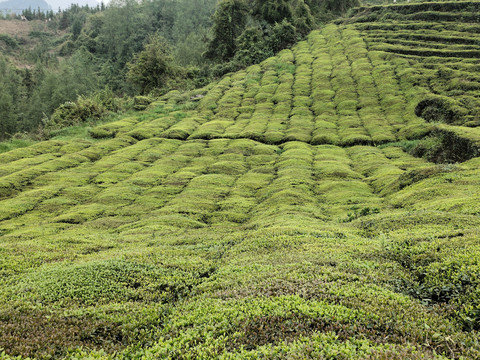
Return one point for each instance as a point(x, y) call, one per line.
point(248, 31)
point(153, 67)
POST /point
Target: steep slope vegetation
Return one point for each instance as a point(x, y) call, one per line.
point(279, 216)
point(440, 41)
point(328, 90)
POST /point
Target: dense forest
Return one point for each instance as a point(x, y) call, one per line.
point(85, 57)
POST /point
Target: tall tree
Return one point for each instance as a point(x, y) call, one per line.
point(273, 11)
point(302, 17)
point(228, 24)
point(7, 115)
point(327, 9)
point(153, 67)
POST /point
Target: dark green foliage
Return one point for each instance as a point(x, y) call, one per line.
point(359, 212)
point(67, 48)
point(50, 334)
point(9, 41)
point(445, 146)
point(440, 109)
point(302, 18)
point(85, 109)
point(283, 35)
point(75, 77)
point(251, 47)
point(69, 113)
point(229, 22)
point(153, 67)
point(471, 319)
point(277, 25)
point(77, 26)
point(334, 6)
point(7, 115)
point(273, 11)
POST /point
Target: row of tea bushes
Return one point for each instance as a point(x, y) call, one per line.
point(162, 177)
point(320, 92)
point(444, 56)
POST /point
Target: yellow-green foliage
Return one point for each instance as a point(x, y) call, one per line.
point(280, 216)
point(113, 128)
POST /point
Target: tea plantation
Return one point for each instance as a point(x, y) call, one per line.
point(323, 204)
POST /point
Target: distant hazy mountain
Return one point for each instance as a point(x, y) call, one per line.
point(19, 5)
point(64, 4)
point(45, 5)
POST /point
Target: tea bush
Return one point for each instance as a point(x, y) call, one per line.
point(281, 215)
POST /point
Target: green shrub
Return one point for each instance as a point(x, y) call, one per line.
point(440, 109)
point(445, 146)
point(97, 282)
point(11, 42)
point(75, 113)
point(67, 48)
point(85, 109)
point(141, 102)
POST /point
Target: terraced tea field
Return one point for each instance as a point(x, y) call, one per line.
point(442, 41)
point(281, 216)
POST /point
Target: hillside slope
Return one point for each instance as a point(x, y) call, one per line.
point(279, 216)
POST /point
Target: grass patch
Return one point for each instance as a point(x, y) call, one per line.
point(10, 145)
